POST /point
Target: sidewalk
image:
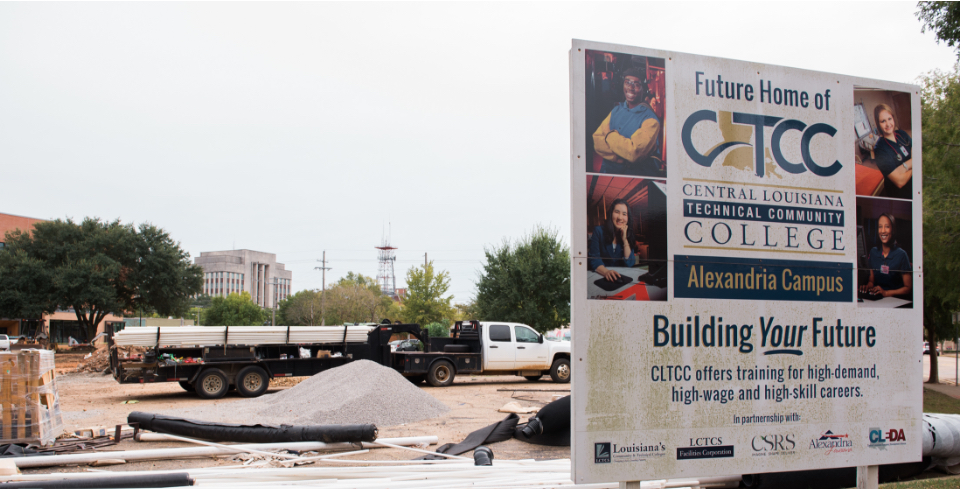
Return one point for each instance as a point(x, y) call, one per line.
point(948, 389)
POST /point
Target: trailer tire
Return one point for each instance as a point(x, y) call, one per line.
point(441, 373)
point(533, 378)
point(187, 386)
point(212, 384)
point(252, 381)
point(560, 371)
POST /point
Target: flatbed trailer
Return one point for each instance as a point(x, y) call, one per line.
point(249, 368)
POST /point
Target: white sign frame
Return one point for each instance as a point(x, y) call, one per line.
point(617, 406)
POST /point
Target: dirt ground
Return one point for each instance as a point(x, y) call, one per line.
point(92, 399)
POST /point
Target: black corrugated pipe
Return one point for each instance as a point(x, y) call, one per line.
point(178, 479)
point(351, 433)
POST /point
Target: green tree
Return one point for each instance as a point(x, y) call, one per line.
point(527, 282)
point(301, 309)
point(439, 329)
point(941, 18)
point(95, 268)
point(941, 205)
point(234, 310)
point(424, 302)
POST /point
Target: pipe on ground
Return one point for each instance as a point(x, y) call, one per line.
point(253, 433)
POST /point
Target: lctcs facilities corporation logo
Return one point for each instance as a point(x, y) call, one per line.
point(601, 453)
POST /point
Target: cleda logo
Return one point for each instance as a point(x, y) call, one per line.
point(880, 439)
point(736, 129)
point(764, 445)
point(601, 453)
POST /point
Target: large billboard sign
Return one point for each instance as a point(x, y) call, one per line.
point(746, 267)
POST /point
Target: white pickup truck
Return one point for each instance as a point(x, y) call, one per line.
point(489, 348)
point(4, 342)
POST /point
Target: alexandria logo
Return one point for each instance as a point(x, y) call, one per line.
point(745, 134)
point(832, 443)
point(601, 453)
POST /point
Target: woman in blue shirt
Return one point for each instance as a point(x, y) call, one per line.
point(610, 244)
point(894, 155)
point(890, 269)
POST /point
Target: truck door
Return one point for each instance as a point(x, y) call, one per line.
point(500, 351)
point(530, 352)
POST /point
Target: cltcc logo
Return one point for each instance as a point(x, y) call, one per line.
point(601, 453)
point(736, 130)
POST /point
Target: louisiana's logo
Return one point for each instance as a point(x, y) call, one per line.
point(601, 453)
point(737, 129)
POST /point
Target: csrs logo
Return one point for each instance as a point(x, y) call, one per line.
point(773, 444)
point(601, 453)
point(736, 129)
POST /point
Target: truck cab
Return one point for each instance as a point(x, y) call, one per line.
point(487, 348)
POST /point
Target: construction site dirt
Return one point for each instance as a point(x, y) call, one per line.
point(92, 399)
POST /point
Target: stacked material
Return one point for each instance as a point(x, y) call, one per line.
point(29, 404)
point(239, 335)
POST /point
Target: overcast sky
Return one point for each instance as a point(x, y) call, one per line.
point(295, 128)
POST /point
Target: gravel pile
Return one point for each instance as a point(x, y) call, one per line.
point(356, 393)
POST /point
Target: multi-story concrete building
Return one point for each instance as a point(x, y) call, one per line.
point(258, 273)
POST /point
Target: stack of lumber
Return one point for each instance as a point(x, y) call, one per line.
point(29, 404)
point(239, 335)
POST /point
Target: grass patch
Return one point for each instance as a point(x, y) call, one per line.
point(942, 483)
point(935, 402)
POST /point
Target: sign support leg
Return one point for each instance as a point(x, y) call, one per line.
point(629, 484)
point(868, 476)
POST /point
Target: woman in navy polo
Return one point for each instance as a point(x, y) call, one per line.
point(890, 269)
point(894, 153)
point(610, 243)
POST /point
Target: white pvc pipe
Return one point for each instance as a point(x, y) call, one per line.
point(164, 453)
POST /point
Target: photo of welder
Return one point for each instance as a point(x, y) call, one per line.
point(884, 147)
point(884, 248)
point(626, 238)
point(625, 98)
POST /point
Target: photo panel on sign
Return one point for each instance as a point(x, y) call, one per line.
point(884, 250)
point(625, 114)
point(883, 125)
point(627, 238)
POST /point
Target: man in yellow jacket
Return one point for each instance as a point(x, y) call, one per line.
point(629, 138)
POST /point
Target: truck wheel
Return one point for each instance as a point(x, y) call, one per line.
point(187, 386)
point(252, 381)
point(533, 378)
point(212, 384)
point(560, 371)
point(441, 374)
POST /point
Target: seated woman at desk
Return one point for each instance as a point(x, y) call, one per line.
point(890, 269)
point(894, 152)
point(610, 243)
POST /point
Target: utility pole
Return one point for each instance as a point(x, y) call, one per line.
point(323, 295)
point(424, 261)
point(275, 282)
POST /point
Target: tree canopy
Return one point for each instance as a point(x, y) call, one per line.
point(425, 300)
point(941, 18)
point(234, 310)
point(941, 204)
point(527, 282)
point(95, 268)
point(354, 298)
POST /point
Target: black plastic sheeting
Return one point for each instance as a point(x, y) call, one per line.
point(178, 479)
point(499, 431)
point(555, 419)
point(352, 433)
